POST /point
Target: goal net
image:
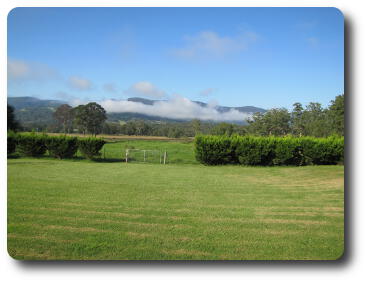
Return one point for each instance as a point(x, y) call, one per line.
point(146, 156)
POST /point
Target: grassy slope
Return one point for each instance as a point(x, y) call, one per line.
point(88, 210)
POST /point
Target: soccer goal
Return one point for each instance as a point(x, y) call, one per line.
point(146, 156)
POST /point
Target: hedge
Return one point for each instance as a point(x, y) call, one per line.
point(90, 147)
point(268, 151)
point(62, 146)
point(12, 142)
point(31, 144)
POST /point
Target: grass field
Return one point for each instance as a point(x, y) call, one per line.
point(178, 152)
point(112, 210)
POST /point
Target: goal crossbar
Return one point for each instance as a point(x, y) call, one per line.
point(162, 154)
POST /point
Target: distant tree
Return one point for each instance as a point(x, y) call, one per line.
point(13, 124)
point(256, 124)
point(297, 121)
point(223, 129)
point(336, 115)
point(275, 122)
point(315, 120)
point(90, 118)
point(64, 115)
point(196, 126)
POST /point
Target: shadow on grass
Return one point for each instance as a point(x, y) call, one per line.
point(108, 160)
point(13, 156)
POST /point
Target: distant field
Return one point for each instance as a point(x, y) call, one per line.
point(125, 137)
point(178, 152)
point(113, 210)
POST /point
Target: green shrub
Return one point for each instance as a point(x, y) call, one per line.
point(90, 147)
point(255, 150)
point(31, 144)
point(12, 142)
point(62, 146)
point(289, 151)
point(326, 151)
point(266, 151)
point(213, 150)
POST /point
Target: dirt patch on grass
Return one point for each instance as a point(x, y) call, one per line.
point(293, 221)
point(139, 235)
point(75, 229)
point(288, 213)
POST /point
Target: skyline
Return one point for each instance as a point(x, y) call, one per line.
point(263, 57)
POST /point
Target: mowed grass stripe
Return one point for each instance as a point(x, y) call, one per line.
point(263, 216)
point(182, 212)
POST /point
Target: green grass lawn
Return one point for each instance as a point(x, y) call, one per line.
point(112, 210)
point(178, 152)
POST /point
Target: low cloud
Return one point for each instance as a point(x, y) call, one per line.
point(79, 83)
point(177, 107)
point(145, 89)
point(210, 44)
point(20, 70)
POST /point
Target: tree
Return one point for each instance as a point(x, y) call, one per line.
point(13, 124)
point(223, 129)
point(336, 115)
point(90, 117)
point(315, 120)
point(64, 115)
point(297, 121)
point(275, 122)
point(196, 126)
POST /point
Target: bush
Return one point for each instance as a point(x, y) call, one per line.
point(289, 151)
point(90, 147)
point(62, 146)
point(214, 150)
point(255, 150)
point(266, 151)
point(325, 151)
point(12, 142)
point(31, 144)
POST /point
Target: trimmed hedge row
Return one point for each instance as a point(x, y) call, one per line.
point(268, 151)
point(31, 144)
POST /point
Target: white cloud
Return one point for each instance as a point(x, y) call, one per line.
point(110, 87)
point(177, 107)
point(145, 89)
point(24, 70)
point(207, 91)
point(79, 83)
point(210, 44)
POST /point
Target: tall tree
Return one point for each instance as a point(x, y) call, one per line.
point(64, 115)
point(275, 122)
point(336, 115)
point(196, 126)
point(315, 120)
point(90, 117)
point(223, 129)
point(297, 121)
point(13, 124)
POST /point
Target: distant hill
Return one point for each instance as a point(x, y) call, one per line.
point(32, 102)
point(35, 110)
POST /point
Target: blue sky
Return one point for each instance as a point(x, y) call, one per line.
point(265, 57)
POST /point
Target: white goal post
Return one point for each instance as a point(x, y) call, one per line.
point(146, 155)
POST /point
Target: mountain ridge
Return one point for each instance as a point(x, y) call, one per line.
point(31, 109)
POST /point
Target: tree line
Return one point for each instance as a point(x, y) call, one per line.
point(311, 120)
